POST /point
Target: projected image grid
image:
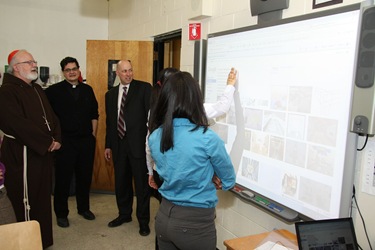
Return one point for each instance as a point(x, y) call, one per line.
point(287, 127)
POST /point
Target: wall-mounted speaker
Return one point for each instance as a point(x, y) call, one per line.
point(363, 102)
point(199, 9)
point(268, 10)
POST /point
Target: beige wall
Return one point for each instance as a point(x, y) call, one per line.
point(51, 29)
point(144, 19)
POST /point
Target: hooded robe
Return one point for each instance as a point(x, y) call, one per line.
point(27, 119)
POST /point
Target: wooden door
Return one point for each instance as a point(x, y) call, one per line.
point(98, 53)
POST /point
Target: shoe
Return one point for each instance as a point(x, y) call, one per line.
point(88, 215)
point(119, 221)
point(144, 230)
point(63, 222)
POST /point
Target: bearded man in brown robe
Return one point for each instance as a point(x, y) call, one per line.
point(32, 133)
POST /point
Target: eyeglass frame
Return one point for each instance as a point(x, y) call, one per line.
point(75, 69)
point(30, 62)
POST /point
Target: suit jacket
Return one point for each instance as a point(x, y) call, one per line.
point(136, 109)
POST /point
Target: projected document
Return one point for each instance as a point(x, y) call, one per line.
point(287, 128)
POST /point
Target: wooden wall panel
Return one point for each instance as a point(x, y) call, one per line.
point(98, 52)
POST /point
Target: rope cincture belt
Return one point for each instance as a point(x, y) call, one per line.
point(25, 186)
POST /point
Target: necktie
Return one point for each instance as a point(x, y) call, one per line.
point(121, 120)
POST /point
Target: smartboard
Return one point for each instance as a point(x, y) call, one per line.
point(287, 131)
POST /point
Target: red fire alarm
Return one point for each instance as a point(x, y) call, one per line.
point(194, 31)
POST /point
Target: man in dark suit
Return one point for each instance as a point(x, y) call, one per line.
point(126, 143)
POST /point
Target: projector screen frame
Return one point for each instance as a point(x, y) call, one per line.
point(350, 143)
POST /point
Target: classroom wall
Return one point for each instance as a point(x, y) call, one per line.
point(144, 19)
point(51, 29)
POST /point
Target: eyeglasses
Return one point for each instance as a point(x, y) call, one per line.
point(70, 70)
point(31, 62)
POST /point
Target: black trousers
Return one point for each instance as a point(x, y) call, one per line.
point(127, 169)
point(76, 155)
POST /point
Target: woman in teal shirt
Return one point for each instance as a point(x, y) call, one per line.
point(187, 155)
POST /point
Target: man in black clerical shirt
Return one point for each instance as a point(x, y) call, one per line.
point(77, 108)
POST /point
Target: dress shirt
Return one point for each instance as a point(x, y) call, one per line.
point(187, 168)
point(213, 110)
point(222, 106)
point(120, 92)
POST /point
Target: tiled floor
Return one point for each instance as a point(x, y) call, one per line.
point(94, 235)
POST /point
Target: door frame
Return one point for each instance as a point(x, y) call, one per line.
point(167, 46)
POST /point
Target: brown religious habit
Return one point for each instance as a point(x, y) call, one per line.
point(30, 124)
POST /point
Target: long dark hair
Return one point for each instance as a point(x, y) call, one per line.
point(162, 77)
point(180, 97)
